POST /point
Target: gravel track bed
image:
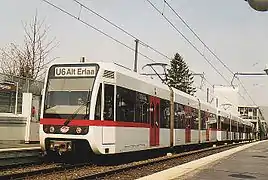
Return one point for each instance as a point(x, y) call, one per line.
point(9, 160)
point(70, 174)
point(29, 168)
point(151, 169)
point(84, 171)
point(130, 174)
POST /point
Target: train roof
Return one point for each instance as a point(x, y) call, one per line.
point(224, 113)
point(184, 97)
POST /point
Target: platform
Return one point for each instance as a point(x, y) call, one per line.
point(248, 161)
point(251, 163)
point(11, 145)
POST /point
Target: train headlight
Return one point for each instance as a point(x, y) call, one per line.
point(51, 129)
point(78, 130)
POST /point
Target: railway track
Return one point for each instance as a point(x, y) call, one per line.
point(39, 169)
point(154, 164)
point(13, 159)
point(93, 171)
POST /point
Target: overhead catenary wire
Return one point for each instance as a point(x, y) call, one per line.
point(87, 24)
point(196, 35)
point(110, 22)
point(214, 96)
point(222, 94)
point(113, 24)
point(246, 91)
point(241, 83)
point(96, 29)
point(178, 31)
point(204, 44)
point(121, 29)
point(100, 31)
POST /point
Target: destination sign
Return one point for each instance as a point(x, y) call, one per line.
point(75, 71)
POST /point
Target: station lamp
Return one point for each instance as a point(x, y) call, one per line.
point(266, 69)
point(258, 5)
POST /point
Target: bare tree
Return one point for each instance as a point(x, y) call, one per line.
point(31, 59)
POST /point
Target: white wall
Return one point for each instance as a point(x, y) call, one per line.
point(12, 128)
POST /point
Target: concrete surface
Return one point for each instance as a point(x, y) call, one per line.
point(185, 169)
point(16, 144)
point(251, 163)
point(18, 128)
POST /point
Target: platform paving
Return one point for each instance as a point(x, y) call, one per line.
point(17, 144)
point(251, 163)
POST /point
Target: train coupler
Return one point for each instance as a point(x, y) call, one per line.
point(60, 146)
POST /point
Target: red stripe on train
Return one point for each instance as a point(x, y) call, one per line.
point(54, 121)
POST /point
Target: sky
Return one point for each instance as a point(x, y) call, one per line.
point(236, 33)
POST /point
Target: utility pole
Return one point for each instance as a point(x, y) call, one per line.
point(199, 121)
point(136, 55)
point(231, 136)
point(172, 113)
point(17, 95)
point(208, 95)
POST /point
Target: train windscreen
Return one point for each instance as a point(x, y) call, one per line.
point(68, 90)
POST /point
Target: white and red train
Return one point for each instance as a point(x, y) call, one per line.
point(109, 109)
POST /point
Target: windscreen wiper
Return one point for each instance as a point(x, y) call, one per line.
point(72, 116)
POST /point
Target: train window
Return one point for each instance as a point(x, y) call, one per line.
point(125, 104)
point(188, 122)
point(179, 116)
point(142, 107)
point(204, 119)
point(195, 118)
point(145, 113)
point(212, 121)
point(157, 115)
point(176, 116)
point(254, 112)
point(164, 114)
point(219, 120)
point(98, 104)
point(152, 114)
point(108, 102)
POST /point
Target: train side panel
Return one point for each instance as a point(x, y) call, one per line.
point(131, 139)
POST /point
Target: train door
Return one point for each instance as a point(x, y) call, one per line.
point(108, 133)
point(154, 121)
point(187, 134)
point(188, 117)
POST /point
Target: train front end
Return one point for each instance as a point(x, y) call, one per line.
point(67, 106)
